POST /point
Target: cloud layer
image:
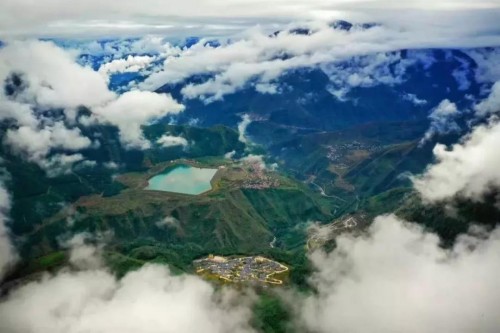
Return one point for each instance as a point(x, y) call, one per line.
point(136, 108)
point(398, 279)
point(468, 168)
point(41, 78)
point(259, 58)
point(150, 300)
point(7, 253)
point(91, 17)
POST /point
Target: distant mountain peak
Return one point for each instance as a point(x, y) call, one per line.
point(347, 26)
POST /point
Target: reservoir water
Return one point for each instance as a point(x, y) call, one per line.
point(183, 179)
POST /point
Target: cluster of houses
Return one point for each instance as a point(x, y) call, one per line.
point(337, 153)
point(259, 179)
point(241, 269)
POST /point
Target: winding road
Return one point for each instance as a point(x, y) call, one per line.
point(323, 193)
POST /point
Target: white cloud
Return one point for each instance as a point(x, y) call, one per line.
point(120, 54)
point(444, 109)
point(192, 17)
point(258, 57)
point(398, 279)
point(129, 64)
point(442, 120)
point(267, 88)
point(230, 155)
point(414, 99)
point(150, 300)
point(172, 141)
point(461, 78)
point(36, 144)
point(87, 164)
point(21, 113)
point(255, 160)
point(54, 79)
point(319, 230)
point(242, 128)
point(488, 64)
point(51, 79)
point(339, 93)
point(48, 78)
point(468, 168)
point(492, 103)
point(83, 255)
point(111, 165)
point(8, 254)
point(371, 70)
point(136, 108)
point(59, 164)
point(168, 221)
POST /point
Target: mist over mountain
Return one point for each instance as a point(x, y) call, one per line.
point(314, 167)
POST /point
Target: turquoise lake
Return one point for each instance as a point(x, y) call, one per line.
point(183, 179)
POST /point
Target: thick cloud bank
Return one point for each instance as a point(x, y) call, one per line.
point(192, 17)
point(468, 168)
point(398, 279)
point(149, 300)
point(40, 77)
point(53, 78)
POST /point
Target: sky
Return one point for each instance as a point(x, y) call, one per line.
point(93, 18)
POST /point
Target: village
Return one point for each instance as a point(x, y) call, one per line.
point(241, 269)
point(258, 177)
point(337, 154)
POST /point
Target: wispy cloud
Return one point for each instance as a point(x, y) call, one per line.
point(442, 119)
point(260, 58)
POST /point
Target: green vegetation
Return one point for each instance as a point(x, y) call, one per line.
point(271, 315)
point(387, 201)
point(230, 220)
point(450, 221)
point(362, 168)
point(236, 220)
point(327, 178)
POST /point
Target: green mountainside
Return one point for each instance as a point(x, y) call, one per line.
point(231, 219)
point(321, 177)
